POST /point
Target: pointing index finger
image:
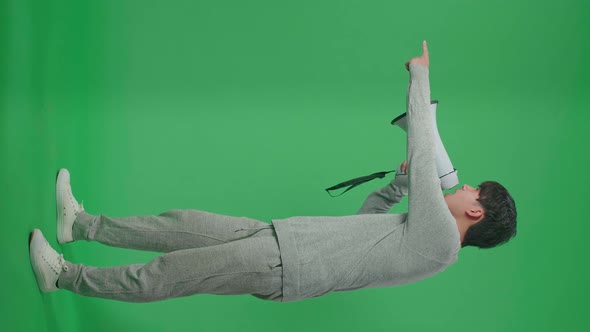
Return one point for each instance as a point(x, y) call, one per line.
point(424, 47)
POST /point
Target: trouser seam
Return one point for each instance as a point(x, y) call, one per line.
point(177, 282)
point(165, 231)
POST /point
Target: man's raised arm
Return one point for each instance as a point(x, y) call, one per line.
point(430, 228)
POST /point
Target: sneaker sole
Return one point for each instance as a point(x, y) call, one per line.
point(38, 274)
point(59, 204)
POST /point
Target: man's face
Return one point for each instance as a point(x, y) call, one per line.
point(462, 199)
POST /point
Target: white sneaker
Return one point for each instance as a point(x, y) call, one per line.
point(67, 207)
point(47, 263)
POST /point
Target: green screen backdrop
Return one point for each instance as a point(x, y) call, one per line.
point(252, 108)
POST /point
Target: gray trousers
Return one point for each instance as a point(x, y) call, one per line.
point(205, 253)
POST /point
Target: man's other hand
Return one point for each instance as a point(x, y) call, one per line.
point(401, 178)
point(421, 60)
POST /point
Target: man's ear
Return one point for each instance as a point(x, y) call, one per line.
point(475, 213)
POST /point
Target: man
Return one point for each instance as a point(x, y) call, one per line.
point(294, 258)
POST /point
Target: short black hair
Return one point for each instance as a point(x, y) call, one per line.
point(499, 222)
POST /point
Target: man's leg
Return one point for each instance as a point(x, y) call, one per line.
point(247, 266)
point(169, 231)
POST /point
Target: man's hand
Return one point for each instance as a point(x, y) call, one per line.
point(404, 166)
point(421, 60)
point(401, 178)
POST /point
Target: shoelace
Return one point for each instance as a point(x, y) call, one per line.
point(73, 201)
point(56, 263)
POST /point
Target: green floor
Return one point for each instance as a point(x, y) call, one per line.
point(252, 108)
